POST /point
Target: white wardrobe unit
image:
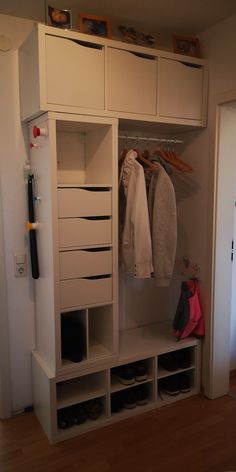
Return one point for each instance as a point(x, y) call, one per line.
point(77, 103)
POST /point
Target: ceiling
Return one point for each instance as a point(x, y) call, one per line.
point(162, 18)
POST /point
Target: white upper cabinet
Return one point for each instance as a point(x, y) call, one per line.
point(69, 72)
point(131, 82)
point(180, 89)
point(74, 73)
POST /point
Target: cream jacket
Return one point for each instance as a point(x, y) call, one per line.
point(136, 238)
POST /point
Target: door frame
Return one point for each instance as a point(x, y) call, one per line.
point(221, 269)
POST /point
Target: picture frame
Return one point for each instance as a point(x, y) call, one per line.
point(58, 17)
point(95, 25)
point(186, 45)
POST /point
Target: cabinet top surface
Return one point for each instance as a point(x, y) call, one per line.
point(96, 40)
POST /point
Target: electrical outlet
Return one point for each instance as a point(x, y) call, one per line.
point(20, 265)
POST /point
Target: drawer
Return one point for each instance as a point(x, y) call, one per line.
point(131, 82)
point(180, 89)
point(74, 73)
point(74, 202)
point(75, 232)
point(84, 263)
point(80, 292)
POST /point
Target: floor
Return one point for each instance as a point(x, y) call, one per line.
point(194, 435)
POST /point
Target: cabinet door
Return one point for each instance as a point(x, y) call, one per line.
point(180, 89)
point(74, 73)
point(131, 82)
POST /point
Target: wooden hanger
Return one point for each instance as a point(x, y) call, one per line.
point(171, 158)
point(151, 166)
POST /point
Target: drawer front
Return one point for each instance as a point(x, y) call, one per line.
point(180, 90)
point(75, 232)
point(80, 292)
point(131, 82)
point(81, 68)
point(74, 202)
point(84, 263)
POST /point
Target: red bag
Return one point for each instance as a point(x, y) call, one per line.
point(192, 323)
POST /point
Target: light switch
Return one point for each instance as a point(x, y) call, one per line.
point(20, 265)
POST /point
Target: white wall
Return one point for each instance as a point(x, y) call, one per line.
point(217, 45)
point(13, 155)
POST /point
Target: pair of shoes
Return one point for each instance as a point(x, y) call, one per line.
point(78, 414)
point(130, 373)
point(175, 384)
point(136, 396)
point(129, 398)
point(172, 361)
point(94, 409)
point(70, 416)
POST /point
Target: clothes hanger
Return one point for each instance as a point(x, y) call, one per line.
point(174, 160)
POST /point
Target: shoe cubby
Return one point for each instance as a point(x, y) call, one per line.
point(83, 152)
point(86, 335)
point(74, 346)
point(131, 398)
point(79, 415)
point(176, 386)
point(175, 361)
point(100, 333)
point(81, 389)
point(132, 374)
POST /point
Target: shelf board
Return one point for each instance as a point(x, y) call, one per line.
point(117, 386)
point(167, 399)
point(97, 351)
point(162, 373)
point(150, 341)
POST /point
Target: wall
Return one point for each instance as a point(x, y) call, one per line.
point(218, 46)
point(13, 155)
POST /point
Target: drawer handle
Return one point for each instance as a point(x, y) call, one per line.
point(97, 277)
point(95, 218)
point(81, 43)
point(191, 65)
point(142, 56)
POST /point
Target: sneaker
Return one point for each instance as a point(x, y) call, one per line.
point(142, 395)
point(130, 399)
point(169, 361)
point(185, 382)
point(79, 414)
point(126, 374)
point(170, 385)
point(65, 418)
point(140, 372)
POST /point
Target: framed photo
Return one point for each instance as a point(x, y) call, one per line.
point(186, 45)
point(58, 17)
point(96, 25)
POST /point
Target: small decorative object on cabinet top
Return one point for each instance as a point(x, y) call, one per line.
point(95, 25)
point(130, 35)
point(58, 17)
point(186, 45)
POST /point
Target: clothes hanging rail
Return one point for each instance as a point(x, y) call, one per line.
point(145, 138)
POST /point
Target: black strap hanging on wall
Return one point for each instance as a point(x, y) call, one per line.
point(32, 231)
